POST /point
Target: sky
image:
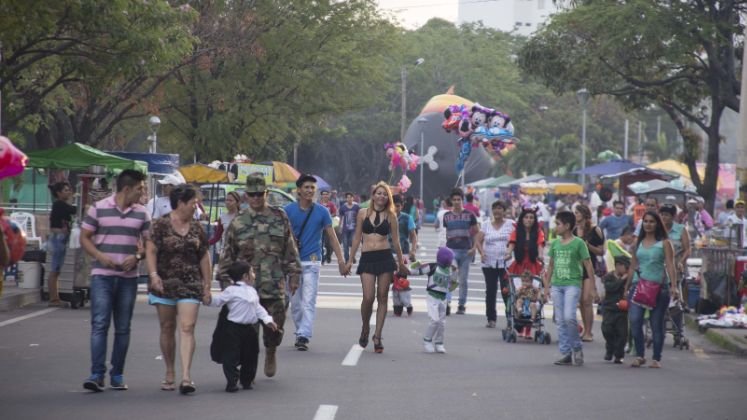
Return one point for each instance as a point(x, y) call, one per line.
point(415, 13)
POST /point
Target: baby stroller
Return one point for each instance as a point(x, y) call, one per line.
point(674, 319)
point(518, 321)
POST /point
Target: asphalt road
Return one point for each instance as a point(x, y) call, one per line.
point(44, 357)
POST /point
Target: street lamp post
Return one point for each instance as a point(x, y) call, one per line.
point(583, 98)
point(403, 115)
point(154, 122)
point(422, 121)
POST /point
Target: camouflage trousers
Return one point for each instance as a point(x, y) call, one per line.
point(276, 308)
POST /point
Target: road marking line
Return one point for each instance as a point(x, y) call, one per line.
point(31, 315)
point(325, 412)
point(351, 359)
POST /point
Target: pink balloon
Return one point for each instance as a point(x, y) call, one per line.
point(12, 160)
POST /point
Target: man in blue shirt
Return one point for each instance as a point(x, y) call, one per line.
point(614, 224)
point(308, 220)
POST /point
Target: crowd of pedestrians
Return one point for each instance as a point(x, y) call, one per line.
point(271, 260)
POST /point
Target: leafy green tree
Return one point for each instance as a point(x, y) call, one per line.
point(74, 69)
point(273, 74)
point(678, 55)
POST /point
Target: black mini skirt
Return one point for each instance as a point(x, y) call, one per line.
point(376, 262)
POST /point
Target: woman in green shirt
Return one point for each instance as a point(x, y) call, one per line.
point(653, 260)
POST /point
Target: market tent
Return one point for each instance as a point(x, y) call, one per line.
point(321, 184)
point(282, 172)
point(609, 168)
point(158, 163)
point(203, 174)
point(517, 182)
point(492, 182)
point(77, 156)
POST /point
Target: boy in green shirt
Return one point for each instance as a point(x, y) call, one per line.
point(564, 277)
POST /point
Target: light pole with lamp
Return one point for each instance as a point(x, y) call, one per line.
point(422, 121)
point(583, 98)
point(154, 122)
point(403, 116)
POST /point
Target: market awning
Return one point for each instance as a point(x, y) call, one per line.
point(282, 172)
point(492, 182)
point(203, 174)
point(609, 168)
point(77, 156)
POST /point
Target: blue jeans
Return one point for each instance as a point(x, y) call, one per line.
point(636, 314)
point(565, 301)
point(111, 295)
point(462, 260)
point(303, 302)
point(347, 242)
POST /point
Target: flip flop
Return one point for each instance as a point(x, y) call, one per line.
point(587, 339)
point(168, 385)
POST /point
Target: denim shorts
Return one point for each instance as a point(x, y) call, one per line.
point(57, 246)
point(156, 300)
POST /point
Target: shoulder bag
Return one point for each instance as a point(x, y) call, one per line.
point(646, 293)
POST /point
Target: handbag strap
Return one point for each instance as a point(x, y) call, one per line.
point(303, 226)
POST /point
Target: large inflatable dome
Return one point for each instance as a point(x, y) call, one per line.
point(438, 180)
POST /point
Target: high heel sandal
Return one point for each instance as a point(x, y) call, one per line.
point(363, 341)
point(378, 347)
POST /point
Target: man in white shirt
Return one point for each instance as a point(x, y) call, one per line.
point(739, 218)
point(161, 206)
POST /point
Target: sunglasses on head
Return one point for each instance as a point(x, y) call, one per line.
point(255, 194)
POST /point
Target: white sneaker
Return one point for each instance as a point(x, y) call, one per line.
point(428, 346)
point(440, 348)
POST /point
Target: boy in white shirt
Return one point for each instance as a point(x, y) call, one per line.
point(235, 340)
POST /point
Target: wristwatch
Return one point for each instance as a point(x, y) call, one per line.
point(138, 257)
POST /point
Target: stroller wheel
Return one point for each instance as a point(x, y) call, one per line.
point(504, 335)
point(687, 344)
point(547, 339)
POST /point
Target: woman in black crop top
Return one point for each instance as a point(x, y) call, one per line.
point(376, 266)
point(60, 220)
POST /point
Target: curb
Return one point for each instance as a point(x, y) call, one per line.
point(727, 342)
point(18, 300)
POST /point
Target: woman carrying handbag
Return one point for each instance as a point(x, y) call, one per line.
point(650, 286)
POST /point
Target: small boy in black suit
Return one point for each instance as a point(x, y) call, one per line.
point(235, 339)
point(615, 318)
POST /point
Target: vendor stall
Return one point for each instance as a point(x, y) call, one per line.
point(89, 164)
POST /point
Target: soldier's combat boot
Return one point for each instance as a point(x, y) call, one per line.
point(270, 364)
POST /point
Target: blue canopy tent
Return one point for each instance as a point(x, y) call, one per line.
point(609, 168)
point(158, 163)
point(321, 184)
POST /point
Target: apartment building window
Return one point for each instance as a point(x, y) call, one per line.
point(541, 4)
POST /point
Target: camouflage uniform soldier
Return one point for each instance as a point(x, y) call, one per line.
point(261, 235)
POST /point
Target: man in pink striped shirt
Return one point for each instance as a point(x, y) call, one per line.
point(110, 233)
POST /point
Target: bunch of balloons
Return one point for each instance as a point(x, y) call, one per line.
point(479, 126)
point(12, 160)
point(400, 157)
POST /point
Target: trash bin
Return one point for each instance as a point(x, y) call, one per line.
point(30, 275)
point(693, 295)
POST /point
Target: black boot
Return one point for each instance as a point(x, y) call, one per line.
point(409, 310)
point(398, 310)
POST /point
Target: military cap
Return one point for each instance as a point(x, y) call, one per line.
point(255, 183)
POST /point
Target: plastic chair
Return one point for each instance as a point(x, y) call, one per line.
point(27, 222)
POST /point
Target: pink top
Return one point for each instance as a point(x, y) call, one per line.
point(116, 233)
